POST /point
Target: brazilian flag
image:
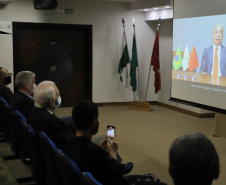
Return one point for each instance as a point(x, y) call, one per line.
point(177, 61)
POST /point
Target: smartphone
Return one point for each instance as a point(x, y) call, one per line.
point(110, 132)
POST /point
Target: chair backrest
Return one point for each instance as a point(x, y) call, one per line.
point(22, 117)
point(37, 160)
point(47, 146)
point(4, 101)
point(88, 179)
point(6, 120)
point(67, 120)
point(15, 130)
point(70, 173)
point(20, 122)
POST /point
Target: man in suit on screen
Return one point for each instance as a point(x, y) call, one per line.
point(214, 57)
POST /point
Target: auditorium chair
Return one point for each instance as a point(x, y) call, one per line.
point(5, 117)
point(25, 154)
point(70, 173)
point(47, 146)
point(15, 122)
point(37, 160)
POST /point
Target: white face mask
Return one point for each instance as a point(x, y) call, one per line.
point(33, 90)
point(59, 102)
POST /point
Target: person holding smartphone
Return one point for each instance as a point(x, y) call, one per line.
point(95, 158)
point(89, 156)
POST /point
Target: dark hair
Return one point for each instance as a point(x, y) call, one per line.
point(84, 113)
point(193, 160)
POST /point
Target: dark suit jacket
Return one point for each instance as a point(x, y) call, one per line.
point(91, 157)
point(22, 103)
point(42, 120)
point(207, 61)
point(6, 93)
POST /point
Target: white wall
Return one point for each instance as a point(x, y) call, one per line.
point(107, 34)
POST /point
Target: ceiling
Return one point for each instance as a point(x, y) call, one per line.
point(141, 5)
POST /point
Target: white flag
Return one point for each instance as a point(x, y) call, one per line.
point(124, 60)
point(186, 58)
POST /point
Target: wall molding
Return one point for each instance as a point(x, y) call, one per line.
point(191, 113)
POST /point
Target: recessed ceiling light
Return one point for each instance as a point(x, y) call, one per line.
point(156, 8)
point(145, 10)
point(167, 7)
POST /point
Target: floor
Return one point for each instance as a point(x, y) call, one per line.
point(144, 138)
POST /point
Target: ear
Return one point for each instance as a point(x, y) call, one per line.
point(52, 101)
point(96, 121)
point(25, 84)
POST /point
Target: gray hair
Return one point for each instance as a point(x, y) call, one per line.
point(23, 77)
point(44, 92)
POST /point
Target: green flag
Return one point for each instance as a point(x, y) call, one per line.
point(133, 66)
point(124, 60)
point(177, 61)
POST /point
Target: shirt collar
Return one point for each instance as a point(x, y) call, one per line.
point(39, 106)
point(214, 47)
point(26, 94)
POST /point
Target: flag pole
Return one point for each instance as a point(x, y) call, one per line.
point(158, 25)
point(134, 74)
point(147, 83)
point(123, 22)
point(124, 33)
point(138, 67)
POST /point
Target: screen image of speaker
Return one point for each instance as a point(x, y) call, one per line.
point(45, 4)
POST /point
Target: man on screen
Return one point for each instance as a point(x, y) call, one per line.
point(214, 57)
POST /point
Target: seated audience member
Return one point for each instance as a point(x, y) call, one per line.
point(22, 99)
point(92, 157)
point(5, 79)
point(193, 160)
point(41, 118)
point(87, 155)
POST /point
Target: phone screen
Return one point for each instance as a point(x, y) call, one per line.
point(110, 131)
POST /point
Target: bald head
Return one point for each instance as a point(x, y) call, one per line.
point(193, 160)
point(218, 34)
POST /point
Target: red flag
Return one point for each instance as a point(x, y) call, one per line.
point(156, 63)
point(193, 61)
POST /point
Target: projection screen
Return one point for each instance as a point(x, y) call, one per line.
point(199, 57)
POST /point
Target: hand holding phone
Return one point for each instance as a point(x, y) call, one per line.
point(110, 132)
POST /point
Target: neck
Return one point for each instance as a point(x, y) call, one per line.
point(87, 134)
point(25, 91)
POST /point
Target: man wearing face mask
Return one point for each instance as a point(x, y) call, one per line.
point(22, 100)
point(41, 118)
point(5, 79)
